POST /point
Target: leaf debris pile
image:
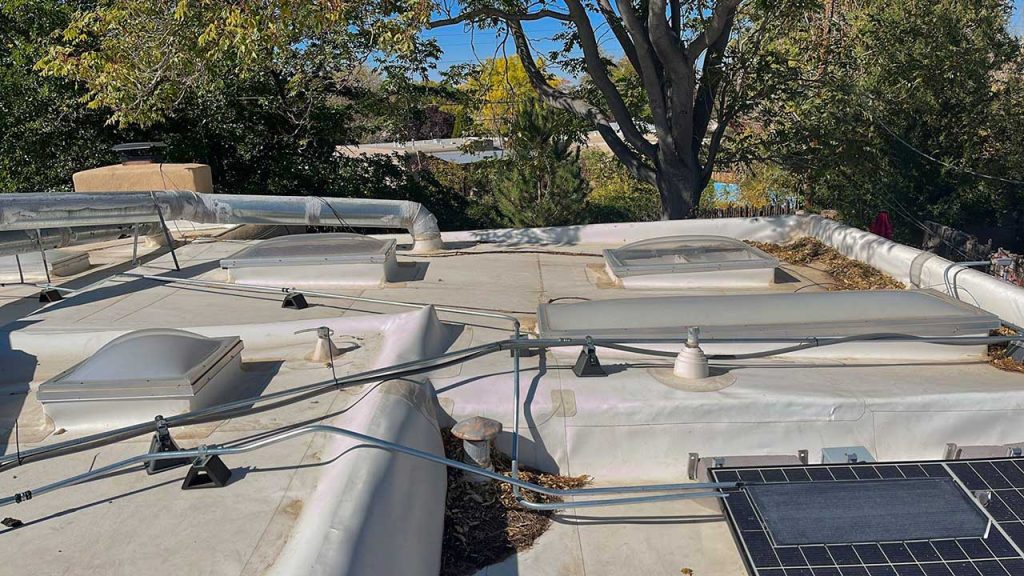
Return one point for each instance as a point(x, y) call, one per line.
point(998, 355)
point(482, 522)
point(848, 274)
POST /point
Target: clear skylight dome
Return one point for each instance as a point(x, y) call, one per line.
point(304, 249)
point(315, 262)
point(711, 260)
point(143, 373)
point(791, 315)
point(144, 357)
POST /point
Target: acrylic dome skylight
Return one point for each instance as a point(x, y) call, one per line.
point(304, 249)
point(690, 261)
point(314, 261)
point(143, 373)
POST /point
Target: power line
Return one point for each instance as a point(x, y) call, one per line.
point(946, 164)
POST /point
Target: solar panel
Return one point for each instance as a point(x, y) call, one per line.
point(995, 552)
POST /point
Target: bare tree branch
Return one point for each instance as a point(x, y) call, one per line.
point(499, 14)
point(649, 70)
point(615, 23)
point(558, 99)
point(599, 74)
point(721, 21)
point(710, 78)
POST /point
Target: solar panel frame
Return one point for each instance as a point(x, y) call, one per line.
point(1000, 553)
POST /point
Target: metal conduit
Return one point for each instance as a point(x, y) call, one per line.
point(683, 491)
point(331, 295)
point(72, 210)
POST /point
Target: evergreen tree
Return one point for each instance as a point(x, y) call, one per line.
point(541, 183)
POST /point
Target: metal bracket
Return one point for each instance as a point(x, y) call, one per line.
point(163, 442)
point(167, 232)
point(587, 364)
point(691, 465)
point(1015, 350)
point(803, 456)
point(42, 254)
point(952, 451)
point(135, 244)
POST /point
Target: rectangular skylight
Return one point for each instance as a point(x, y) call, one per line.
point(802, 314)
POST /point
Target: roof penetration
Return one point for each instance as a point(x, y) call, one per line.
point(690, 261)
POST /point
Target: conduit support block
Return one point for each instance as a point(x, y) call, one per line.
point(295, 301)
point(207, 472)
point(587, 364)
point(50, 295)
point(162, 442)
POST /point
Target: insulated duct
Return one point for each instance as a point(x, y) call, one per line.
point(23, 241)
point(43, 211)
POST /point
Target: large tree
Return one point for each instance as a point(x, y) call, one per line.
point(910, 107)
point(696, 60)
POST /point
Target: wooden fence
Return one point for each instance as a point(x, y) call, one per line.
point(746, 211)
point(954, 244)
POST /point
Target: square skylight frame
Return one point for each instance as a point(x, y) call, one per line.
point(622, 264)
point(312, 250)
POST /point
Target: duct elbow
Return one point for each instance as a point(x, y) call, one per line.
point(426, 235)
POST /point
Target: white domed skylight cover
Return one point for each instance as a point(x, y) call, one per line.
point(141, 374)
point(710, 260)
point(315, 261)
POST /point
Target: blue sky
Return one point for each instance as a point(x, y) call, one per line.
point(461, 47)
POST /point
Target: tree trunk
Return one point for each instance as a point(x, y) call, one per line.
point(679, 186)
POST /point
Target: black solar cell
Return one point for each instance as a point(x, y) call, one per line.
point(998, 553)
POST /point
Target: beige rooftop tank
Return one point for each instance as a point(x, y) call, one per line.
point(141, 170)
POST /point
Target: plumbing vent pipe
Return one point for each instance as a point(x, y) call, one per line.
point(40, 211)
point(691, 363)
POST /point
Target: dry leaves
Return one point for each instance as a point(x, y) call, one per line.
point(482, 522)
point(997, 353)
point(848, 274)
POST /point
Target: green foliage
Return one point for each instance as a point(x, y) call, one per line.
point(45, 131)
point(882, 78)
point(615, 195)
point(541, 183)
point(143, 59)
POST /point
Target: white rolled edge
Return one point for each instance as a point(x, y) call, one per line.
point(374, 511)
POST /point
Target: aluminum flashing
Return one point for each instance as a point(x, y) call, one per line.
point(140, 374)
point(690, 262)
point(803, 314)
point(870, 549)
point(869, 510)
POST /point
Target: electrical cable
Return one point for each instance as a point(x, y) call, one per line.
point(242, 407)
point(245, 407)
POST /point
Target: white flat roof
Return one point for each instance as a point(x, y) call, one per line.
point(629, 427)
